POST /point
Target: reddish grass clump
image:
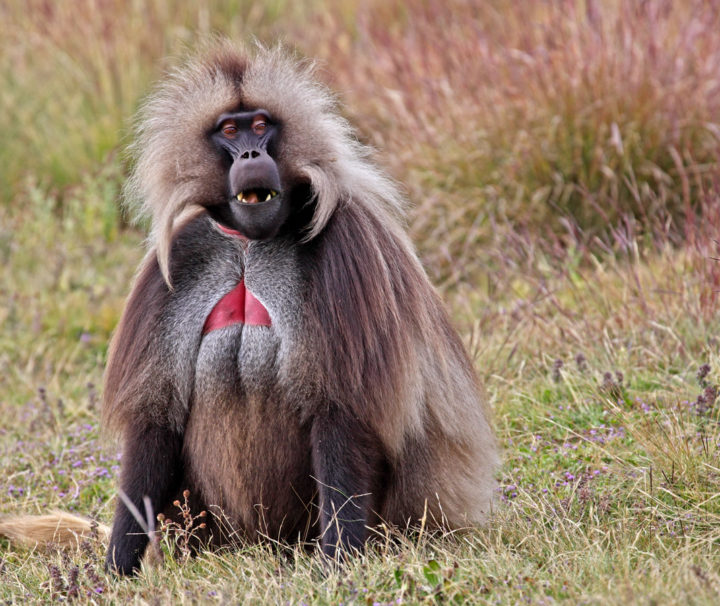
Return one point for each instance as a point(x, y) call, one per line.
point(564, 117)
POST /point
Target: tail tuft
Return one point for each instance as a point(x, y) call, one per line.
point(57, 527)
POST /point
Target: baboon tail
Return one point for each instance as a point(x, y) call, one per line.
point(58, 527)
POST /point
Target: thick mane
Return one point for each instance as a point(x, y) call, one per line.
point(176, 169)
point(316, 139)
point(379, 328)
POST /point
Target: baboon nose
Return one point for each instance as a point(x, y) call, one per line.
point(254, 170)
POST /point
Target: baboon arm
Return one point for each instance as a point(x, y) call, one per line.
point(135, 367)
point(347, 466)
point(151, 467)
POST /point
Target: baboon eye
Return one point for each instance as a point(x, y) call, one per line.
point(229, 129)
point(259, 125)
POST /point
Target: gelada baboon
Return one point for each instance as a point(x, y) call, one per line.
point(282, 354)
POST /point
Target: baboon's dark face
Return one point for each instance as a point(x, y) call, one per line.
point(256, 203)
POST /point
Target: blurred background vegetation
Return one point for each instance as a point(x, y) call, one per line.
point(564, 118)
point(562, 162)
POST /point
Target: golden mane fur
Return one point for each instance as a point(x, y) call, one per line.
point(172, 172)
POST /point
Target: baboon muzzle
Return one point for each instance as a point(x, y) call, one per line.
point(257, 207)
point(252, 172)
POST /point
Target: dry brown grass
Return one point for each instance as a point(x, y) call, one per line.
point(562, 117)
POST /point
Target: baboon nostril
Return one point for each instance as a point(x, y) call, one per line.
point(245, 155)
point(255, 154)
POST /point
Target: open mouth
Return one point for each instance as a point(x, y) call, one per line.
point(253, 196)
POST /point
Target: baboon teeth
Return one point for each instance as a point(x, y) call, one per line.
point(253, 196)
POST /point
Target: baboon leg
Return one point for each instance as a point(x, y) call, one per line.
point(347, 466)
point(151, 467)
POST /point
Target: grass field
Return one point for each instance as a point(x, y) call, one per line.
point(562, 161)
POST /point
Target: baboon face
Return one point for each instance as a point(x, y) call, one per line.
point(255, 204)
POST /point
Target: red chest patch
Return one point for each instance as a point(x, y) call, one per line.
point(239, 306)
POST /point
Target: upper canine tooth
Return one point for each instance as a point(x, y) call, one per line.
point(267, 197)
point(240, 196)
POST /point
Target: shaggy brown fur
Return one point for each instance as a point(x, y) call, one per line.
point(358, 404)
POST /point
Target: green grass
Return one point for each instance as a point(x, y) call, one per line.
point(608, 493)
point(591, 339)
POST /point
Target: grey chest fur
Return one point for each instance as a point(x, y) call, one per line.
point(247, 359)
